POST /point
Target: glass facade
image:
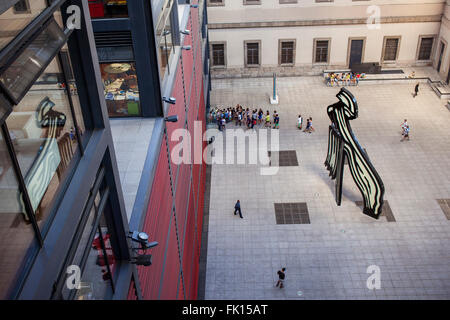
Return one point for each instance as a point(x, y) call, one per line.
point(42, 130)
point(108, 9)
point(16, 232)
point(164, 37)
point(13, 21)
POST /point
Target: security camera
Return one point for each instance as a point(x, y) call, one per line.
point(195, 6)
point(186, 32)
point(139, 237)
point(171, 118)
point(170, 100)
point(186, 47)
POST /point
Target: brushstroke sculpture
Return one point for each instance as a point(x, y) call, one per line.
point(342, 142)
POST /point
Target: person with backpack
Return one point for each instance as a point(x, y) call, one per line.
point(281, 276)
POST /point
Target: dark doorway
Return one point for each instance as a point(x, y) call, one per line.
point(441, 54)
point(356, 49)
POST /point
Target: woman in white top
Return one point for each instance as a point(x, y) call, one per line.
point(300, 122)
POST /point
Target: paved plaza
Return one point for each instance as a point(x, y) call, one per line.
point(328, 258)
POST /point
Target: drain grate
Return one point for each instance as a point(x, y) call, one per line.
point(292, 213)
point(445, 206)
point(286, 158)
point(385, 212)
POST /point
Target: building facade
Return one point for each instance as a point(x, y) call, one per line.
point(63, 76)
point(304, 37)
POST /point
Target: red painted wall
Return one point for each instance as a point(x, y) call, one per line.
point(175, 210)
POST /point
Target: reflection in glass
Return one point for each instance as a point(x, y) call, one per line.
point(44, 138)
point(11, 22)
point(16, 233)
point(121, 88)
point(99, 269)
point(164, 37)
point(18, 77)
point(108, 9)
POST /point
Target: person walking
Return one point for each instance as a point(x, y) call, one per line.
point(405, 134)
point(404, 125)
point(237, 208)
point(281, 276)
point(416, 90)
point(300, 122)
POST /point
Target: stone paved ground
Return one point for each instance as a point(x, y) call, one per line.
point(328, 258)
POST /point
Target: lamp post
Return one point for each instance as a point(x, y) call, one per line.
point(274, 97)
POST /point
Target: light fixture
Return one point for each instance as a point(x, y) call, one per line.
point(166, 32)
point(171, 118)
point(186, 47)
point(194, 6)
point(170, 100)
point(141, 238)
point(186, 32)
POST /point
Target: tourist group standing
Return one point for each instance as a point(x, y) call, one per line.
point(343, 78)
point(244, 117)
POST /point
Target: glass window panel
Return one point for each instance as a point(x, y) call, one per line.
point(16, 232)
point(98, 271)
point(72, 85)
point(287, 52)
point(390, 52)
point(164, 37)
point(83, 245)
point(108, 9)
point(252, 53)
point(18, 77)
point(218, 54)
point(43, 134)
point(322, 51)
point(12, 23)
point(121, 89)
point(426, 46)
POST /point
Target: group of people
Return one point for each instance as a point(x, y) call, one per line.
point(309, 128)
point(244, 116)
point(344, 78)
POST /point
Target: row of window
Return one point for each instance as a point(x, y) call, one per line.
point(253, 2)
point(287, 48)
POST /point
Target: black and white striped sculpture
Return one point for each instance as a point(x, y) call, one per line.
point(342, 142)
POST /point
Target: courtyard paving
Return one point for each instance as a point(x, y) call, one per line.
point(328, 258)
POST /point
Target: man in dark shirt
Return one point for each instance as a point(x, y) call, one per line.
point(237, 208)
point(281, 276)
point(416, 90)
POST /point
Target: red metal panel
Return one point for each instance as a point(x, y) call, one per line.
point(156, 225)
point(194, 274)
point(188, 61)
point(201, 200)
point(182, 196)
point(177, 109)
point(172, 267)
point(193, 110)
point(132, 291)
point(189, 247)
point(195, 26)
point(180, 289)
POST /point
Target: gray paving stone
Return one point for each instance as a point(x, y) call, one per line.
point(328, 258)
